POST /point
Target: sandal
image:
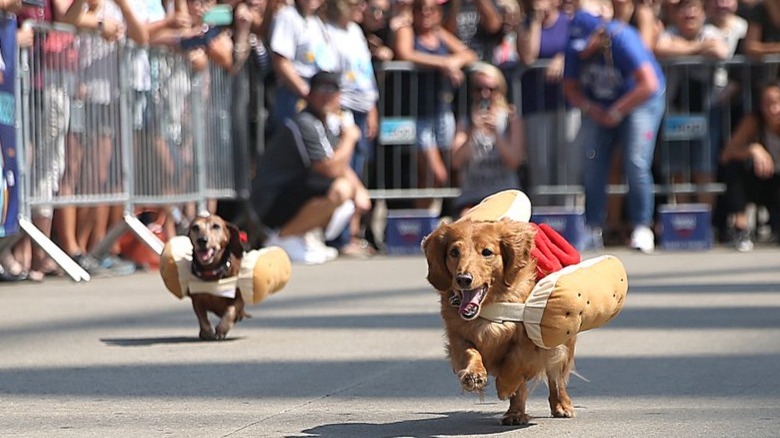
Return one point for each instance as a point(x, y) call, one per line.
point(359, 249)
point(48, 268)
point(11, 270)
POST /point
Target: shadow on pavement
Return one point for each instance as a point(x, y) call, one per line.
point(446, 423)
point(142, 342)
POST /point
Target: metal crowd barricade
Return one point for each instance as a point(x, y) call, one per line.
point(218, 147)
point(396, 169)
point(108, 123)
point(555, 171)
point(554, 159)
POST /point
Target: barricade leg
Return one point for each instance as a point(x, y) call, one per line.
point(132, 224)
point(76, 272)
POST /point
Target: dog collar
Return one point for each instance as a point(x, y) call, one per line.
point(211, 274)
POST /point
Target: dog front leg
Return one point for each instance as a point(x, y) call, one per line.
point(227, 321)
point(516, 415)
point(206, 332)
point(467, 364)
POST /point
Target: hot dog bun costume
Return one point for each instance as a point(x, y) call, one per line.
point(570, 295)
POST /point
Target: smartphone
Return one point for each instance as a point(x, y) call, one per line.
point(219, 15)
point(484, 104)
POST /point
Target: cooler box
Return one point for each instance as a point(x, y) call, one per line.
point(569, 222)
point(406, 229)
point(685, 227)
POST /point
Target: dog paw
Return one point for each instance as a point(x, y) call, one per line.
point(206, 335)
point(472, 381)
point(563, 411)
point(222, 331)
point(515, 419)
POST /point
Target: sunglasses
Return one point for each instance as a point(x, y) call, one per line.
point(480, 88)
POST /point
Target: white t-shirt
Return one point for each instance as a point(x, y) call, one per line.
point(359, 91)
point(304, 41)
point(145, 11)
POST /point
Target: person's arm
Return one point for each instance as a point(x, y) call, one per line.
point(77, 15)
point(511, 148)
point(648, 25)
point(404, 51)
point(10, 5)
point(242, 19)
point(459, 50)
point(450, 11)
point(136, 30)
point(74, 13)
point(337, 165)
point(286, 73)
point(756, 48)
point(739, 145)
point(646, 84)
point(461, 146)
point(60, 8)
point(529, 37)
point(671, 46)
point(220, 50)
point(489, 18)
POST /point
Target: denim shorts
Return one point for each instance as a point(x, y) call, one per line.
point(436, 131)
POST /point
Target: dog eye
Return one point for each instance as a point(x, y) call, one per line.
point(195, 228)
point(454, 252)
point(487, 252)
point(215, 226)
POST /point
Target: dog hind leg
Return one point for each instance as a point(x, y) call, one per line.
point(557, 378)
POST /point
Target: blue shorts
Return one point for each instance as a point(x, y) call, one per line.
point(436, 131)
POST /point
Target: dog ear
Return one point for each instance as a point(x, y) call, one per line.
point(516, 244)
point(235, 245)
point(434, 246)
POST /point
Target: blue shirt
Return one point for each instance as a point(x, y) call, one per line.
point(608, 74)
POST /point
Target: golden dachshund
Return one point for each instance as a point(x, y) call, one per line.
point(216, 254)
point(473, 264)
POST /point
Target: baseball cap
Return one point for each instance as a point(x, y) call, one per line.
point(582, 26)
point(326, 81)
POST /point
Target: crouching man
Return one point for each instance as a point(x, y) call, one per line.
point(304, 184)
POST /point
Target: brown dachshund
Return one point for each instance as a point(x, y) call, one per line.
point(473, 264)
point(216, 254)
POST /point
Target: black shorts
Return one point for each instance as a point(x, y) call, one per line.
point(293, 197)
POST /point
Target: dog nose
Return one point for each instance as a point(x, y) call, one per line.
point(464, 280)
point(203, 240)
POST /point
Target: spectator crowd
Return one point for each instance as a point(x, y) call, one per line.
point(588, 111)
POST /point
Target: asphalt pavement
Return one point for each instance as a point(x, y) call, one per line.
point(354, 348)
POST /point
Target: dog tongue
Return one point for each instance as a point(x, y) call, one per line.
point(469, 305)
point(205, 255)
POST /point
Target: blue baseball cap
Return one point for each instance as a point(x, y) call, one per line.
point(582, 26)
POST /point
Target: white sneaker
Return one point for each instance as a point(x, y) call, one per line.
point(314, 241)
point(296, 249)
point(643, 239)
